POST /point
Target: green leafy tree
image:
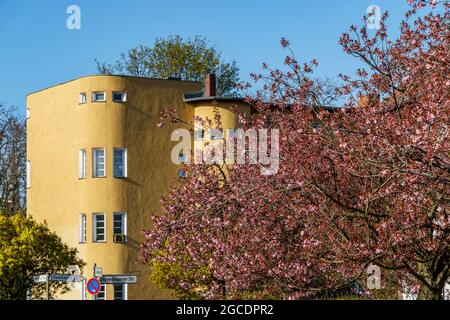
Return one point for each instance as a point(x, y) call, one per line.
point(28, 248)
point(176, 57)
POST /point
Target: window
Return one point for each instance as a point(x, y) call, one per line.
point(119, 96)
point(28, 174)
point(98, 97)
point(28, 114)
point(182, 173)
point(120, 291)
point(98, 165)
point(99, 227)
point(199, 134)
point(216, 134)
point(232, 133)
point(315, 124)
point(82, 228)
point(120, 227)
point(82, 98)
point(82, 164)
point(101, 294)
point(120, 162)
point(182, 158)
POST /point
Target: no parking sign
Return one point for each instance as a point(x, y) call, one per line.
point(93, 286)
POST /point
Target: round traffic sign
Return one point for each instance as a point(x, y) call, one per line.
point(93, 286)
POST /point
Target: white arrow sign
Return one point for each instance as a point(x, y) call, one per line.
point(108, 279)
point(40, 279)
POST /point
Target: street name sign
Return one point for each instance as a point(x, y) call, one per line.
point(118, 279)
point(66, 278)
point(58, 278)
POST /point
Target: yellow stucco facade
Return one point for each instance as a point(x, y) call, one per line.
point(59, 126)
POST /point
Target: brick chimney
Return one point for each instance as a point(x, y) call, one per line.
point(210, 85)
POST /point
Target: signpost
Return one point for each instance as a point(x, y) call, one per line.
point(93, 285)
point(46, 278)
point(118, 279)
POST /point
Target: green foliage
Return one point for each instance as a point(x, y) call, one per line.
point(28, 248)
point(176, 57)
point(172, 276)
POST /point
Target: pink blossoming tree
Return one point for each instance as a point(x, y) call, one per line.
point(363, 185)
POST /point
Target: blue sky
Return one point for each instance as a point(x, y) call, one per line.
point(37, 50)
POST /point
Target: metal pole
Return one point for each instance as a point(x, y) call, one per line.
point(83, 288)
point(47, 287)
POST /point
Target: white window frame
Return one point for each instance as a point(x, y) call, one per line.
point(182, 158)
point(83, 228)
point(102, 285)
point(82, 164)
point(94, 227)
point(82, 98)
point(124, 161)
point(124, 291)
point(199, 134)
point(124, 221)
point(94, 163)
point(216, 134)
point(94, 96)
point(28, 169)
point(182, 175)
point(83, 290)
point(122, 93)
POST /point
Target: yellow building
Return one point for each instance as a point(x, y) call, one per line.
point(98, 166)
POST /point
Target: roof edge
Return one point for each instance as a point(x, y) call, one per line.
point(109, 75)
point(214, 98)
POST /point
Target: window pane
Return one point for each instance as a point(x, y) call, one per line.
point(118, 224)
point(199, 134)
point(119, 162)
point(216, 134)
point(99, 227)
point(101, 294)
point(119, 96)
point(119, 227)
point(99, 162)
point(182, 173)
point(119, 292)
point(98, 96)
